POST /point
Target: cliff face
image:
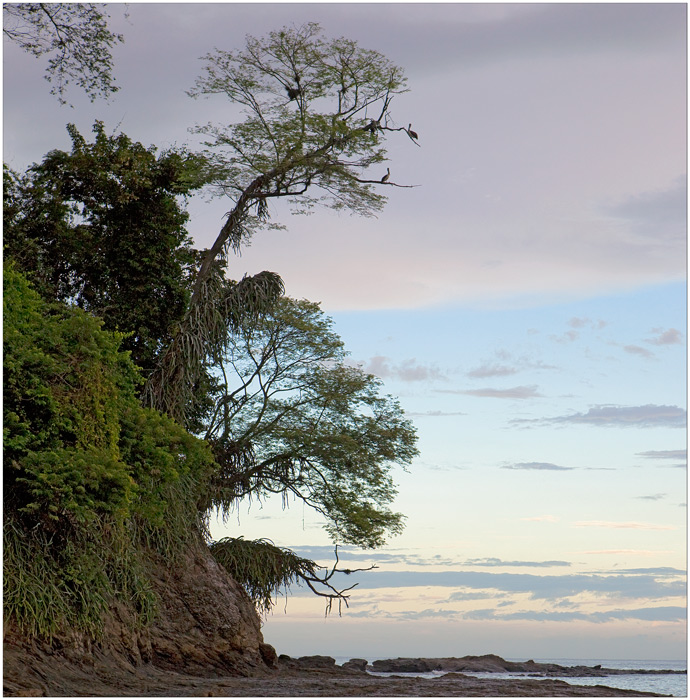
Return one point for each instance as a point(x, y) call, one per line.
point(206, 626)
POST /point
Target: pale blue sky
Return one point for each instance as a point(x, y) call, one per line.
point(526, 302)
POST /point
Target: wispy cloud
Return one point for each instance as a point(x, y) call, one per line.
point(541, 587)
point(648, 416)
point(664, 454)
point(658, 215)
point(433, 414)
point(586, 323)
point(651, 614)
point(637, 350)
point(633, 552)
point(567, 337)
point(542, 519)
point(473, 595)
point(606, 524)
point(506, 366)
point(672, 336)
point(407, 371)
point(492, 370)
point(492, 562)
point(539, 466)
point(325, 554)
point(652, 571)
point(652, 497)
point(516, 392)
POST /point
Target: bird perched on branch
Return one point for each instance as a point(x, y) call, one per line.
point(413, 134)
point(386, 176)
point(293, 93)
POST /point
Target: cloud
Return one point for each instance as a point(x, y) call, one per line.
point(439, 44)
point(567, 337)
point(434, 414)
point(486, 370)
point(492, 561)
point(542, 587)
point(407, 371)
point(652, 497)
point(634, 552)
point(664, 454)
point(656, 614)
point(637, 350)
point(517, 392)
point(659, 215)
point(472, 595)
point(586, 323)
point(668, 337)
point(648, 416)
point(325, 553)
point(622, 525)
point(653, 571)
point(541, 466)
point(498, 369)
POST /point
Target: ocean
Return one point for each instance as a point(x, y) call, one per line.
point(665, 684)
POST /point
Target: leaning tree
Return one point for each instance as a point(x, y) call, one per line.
point(317, 112)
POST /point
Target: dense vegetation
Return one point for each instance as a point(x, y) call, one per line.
point(144, 391)
point(92, 479)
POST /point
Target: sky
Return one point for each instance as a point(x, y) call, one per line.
point(526, 302)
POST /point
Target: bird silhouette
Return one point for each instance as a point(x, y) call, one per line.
point(413, 134)
point(386, 176)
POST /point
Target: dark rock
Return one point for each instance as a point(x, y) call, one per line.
point(316, 661)
point(401, 665)
point(356, 664)
point(490, 663)
point(268, 654)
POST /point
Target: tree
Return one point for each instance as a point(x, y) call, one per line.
point(291, 417)
point(316, 113)
point(74, 35)
point(101, 227)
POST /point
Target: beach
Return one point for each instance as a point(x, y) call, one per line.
point(310, 676)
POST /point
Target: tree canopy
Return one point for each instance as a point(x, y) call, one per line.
point(316, 115)
point(292, 417)
point(76, 38)
point(102, 227)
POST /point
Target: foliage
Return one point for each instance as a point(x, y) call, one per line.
point(92, 479)
point(179, 384)
point(293, 418)
point(261, 568)
point(50, 585)
point(265, 570)
point(74, 35)
point(316, 112)
point(101, 227)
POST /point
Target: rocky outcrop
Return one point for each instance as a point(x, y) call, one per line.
point(206, 626)
point(356, 664)
point(490, 663)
